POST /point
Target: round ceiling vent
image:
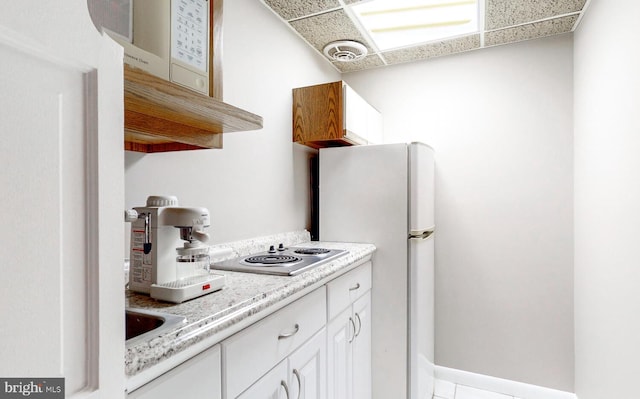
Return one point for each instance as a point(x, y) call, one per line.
point(345, 51)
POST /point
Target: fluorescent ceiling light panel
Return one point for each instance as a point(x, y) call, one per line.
point(400, 23)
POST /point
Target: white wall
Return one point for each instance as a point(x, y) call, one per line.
point(257, 184)
point(500, 121)
point(607, 201)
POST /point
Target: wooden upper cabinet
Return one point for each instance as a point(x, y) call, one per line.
point(333, 115)
point(166, 83)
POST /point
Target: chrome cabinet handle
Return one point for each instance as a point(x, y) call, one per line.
point(355, 287)
point(359, 324)
point(286, 388)
point(353, 324)
point(296, 328)
point(297, 374)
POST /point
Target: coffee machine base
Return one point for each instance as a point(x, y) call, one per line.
point(188, 288)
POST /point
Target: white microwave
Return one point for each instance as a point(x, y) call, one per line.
point(167, 38)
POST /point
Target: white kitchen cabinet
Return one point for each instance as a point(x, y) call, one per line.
point(308, 369)
point(272, 385)
point(362, 122)
point(251, 353)
point(62, 175)
point(349, 335)
point(302, 375)
point(374, 126)
point(361, 346)
point(340, 356)
point(197, 378)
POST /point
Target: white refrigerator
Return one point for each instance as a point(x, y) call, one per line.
point(384, 194)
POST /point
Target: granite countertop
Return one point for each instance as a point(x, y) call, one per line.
point(215, 316)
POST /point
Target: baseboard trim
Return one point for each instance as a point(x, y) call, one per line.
point(519, 390)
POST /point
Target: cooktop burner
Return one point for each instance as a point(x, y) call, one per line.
point(286, 261)
point(272, 259)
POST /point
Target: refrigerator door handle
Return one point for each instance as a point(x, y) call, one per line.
point(420, 235)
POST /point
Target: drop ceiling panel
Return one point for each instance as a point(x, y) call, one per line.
point(291, 9)
point(434, 49)
point(530, 31)
point(503, 13)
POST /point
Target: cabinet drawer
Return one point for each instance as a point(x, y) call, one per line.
point(255, 350)
point(342, 291)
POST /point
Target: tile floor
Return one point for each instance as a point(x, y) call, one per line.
point(449, 390)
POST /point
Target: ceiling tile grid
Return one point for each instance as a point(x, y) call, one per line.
point(292, 9)
point(321, 22)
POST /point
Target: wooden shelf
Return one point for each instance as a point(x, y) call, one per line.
point(162, 116)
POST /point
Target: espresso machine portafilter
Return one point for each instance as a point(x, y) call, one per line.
point(190, 220)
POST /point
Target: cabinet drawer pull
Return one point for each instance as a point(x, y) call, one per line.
point(297, 374)
point(355, 287)
point(359, 324)
point(296, 328)
point(353, 324)
point(286, 388)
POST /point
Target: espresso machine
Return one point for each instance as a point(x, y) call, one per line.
point(169, 258)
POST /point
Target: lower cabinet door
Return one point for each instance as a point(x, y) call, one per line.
point(308, 369)
point(272, 385)
point(196, 378)
point(340, 334)
point(362, 348)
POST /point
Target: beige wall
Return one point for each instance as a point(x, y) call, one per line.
point(607, 207)
point(500, 121)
